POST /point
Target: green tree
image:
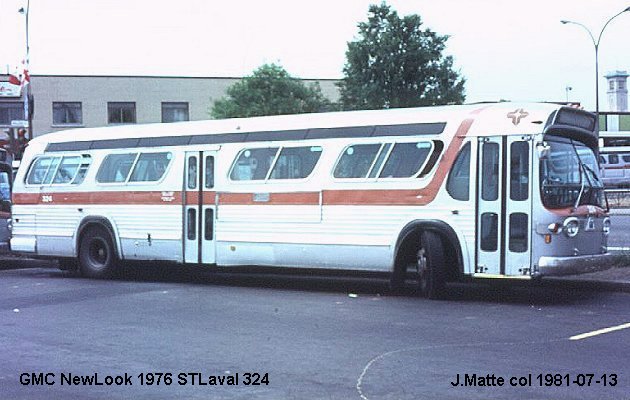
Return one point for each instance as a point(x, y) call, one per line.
point(394, 63)
point(270, 90)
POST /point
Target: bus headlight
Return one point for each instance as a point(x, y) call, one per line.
point(571, 226)
point(606, 227)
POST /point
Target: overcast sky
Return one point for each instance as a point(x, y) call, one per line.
point(505, 49)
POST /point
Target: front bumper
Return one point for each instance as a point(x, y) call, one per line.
point(556, 266)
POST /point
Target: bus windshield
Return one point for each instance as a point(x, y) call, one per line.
point(569, 176)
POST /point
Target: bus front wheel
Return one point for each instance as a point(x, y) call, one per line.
point(430, 265)
point(97, 258)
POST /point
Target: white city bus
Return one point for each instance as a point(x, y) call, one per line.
point(427, 194)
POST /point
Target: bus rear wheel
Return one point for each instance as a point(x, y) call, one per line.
point(97, 258)
point(430, 266)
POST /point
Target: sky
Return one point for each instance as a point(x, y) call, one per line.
point(507, 50)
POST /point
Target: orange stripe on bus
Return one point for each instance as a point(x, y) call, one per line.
point(295, 198)
point(110, 197)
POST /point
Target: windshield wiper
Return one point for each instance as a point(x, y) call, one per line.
point(582, 169)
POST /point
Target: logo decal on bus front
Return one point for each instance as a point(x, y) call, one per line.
point(517, 115)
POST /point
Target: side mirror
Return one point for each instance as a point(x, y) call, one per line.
point(543, 150)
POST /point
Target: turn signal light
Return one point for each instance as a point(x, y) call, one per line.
point(554, 228)
point(547, 238)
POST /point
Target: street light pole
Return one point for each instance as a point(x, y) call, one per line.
point(27, 106)
point(596, 45)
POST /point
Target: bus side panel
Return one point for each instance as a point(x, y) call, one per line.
point(149, 232)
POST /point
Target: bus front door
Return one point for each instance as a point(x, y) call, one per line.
point(199, 208)
point(504, 206)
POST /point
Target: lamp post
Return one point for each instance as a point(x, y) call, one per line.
point(596, 45)
point(28, 113)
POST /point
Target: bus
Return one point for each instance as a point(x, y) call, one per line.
point(427, 195)
point(614, 159)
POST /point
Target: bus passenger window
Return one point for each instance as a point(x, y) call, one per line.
point(406, 159)
point(379, 160)
point(38, 170)
point(613, 159)
point(356, 161)
point(296, 162)
point(115, 168)
point(85, 164)
point(51, 170)
point(458, 182)
point(67, 170)
point(253, 164)
point(150, 167)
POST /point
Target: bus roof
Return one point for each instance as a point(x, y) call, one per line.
point(504, 118)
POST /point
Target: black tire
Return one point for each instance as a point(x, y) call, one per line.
point(97, 256)
point(430, 263)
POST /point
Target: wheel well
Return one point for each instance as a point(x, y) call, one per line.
point(409, 238)
point(100, 223)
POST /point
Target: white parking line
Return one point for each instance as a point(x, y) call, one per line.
point(600, 332)
point(619, 248)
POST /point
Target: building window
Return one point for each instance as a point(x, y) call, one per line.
point(11, 111)
point(622, 85)
point(175, 112)
point(67, 113)
point(121, 113)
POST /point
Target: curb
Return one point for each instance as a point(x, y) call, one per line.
point(8, 262)
point(584, 284)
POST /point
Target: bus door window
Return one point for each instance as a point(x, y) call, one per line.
point(209, 178)
point(192, 173)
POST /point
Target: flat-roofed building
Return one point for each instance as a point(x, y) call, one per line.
point(71, 101)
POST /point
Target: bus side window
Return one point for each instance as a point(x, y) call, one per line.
point(406, 159)
point(150, 167)
point(38, 170)
point(458, 182)
point(253, 164)
point(356, 161)
point(67, 170)
point(296, 162)
point(83, 168)
point(115, 168)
